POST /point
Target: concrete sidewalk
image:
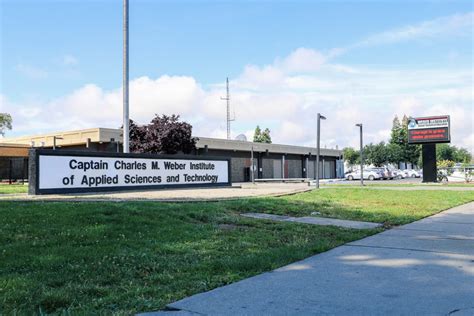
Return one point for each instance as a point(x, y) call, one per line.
point(423, 268)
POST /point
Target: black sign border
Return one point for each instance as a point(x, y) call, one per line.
point(424, 129)
point(35, 153)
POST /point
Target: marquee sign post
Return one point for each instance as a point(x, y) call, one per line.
point(428, 131)
point(61, 171)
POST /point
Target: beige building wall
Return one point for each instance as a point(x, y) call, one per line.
point(68, 138)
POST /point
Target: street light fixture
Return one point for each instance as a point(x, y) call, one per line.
point(361, 156)
point(318, 138)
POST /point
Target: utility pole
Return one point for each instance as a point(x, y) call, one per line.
point(361, 156)
point(126, 119)
point(318, 141)
point(252, 175)
point(227, 98)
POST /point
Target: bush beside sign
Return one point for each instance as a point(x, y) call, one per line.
point(61, 171)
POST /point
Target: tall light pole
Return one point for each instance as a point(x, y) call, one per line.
point(252, 175)
point(361, 156)
point(318, 138)
point(126, 119)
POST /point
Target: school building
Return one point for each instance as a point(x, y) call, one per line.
point(271, 161)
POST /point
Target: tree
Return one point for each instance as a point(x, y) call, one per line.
point(396, 135)
point(5, 123)
point(266, 138)
point(376, 154)
point(399, 150)
point(411, 153)
point(257, 134)
point(463, 155)
point(394, 153)
point(262, 137)
point(445, 152)
point(351, 156)
point(138, 143)
point(452, 153)
point(164, 135)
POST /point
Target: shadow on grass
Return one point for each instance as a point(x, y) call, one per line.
point(123, 258)
point(387, 207)
point(284, 206)
point(127, 257)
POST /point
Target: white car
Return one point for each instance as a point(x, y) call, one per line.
point(398, 174)
point(369, 174)
point(411, 173)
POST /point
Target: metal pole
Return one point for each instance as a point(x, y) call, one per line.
point(228, 107)
point(317, 149)
point(126, 119)
point(252, 176)
point(361, 158)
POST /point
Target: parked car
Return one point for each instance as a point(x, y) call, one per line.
point(369, 174)
point(398, 174)
point(411, 173)
point(386, 173)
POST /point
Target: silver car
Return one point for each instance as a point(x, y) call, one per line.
point(369, 174)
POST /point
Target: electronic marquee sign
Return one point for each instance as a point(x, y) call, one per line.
point(433, 129)
point(58, 171)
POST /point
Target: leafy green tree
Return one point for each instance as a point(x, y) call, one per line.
point(351, 156)
point(368, 154)
point(403, 151)
point(452, 153)
point(376, 154)
point(266, 138)
point(445, 152)
point(5, 123)
point(397, 135)
point(257, 134)
point(262, 137)
point(394, 153)
point(463, 155)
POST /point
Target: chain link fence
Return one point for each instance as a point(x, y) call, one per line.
point(456, 174)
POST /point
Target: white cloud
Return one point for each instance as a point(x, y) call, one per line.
point(284, 96)
point(69, 60)
point(31, 72)
point(302, 60)
point(458, 24)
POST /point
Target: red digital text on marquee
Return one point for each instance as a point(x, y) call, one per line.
point(428, 134)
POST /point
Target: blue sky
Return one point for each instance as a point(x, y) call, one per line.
point(300, 57)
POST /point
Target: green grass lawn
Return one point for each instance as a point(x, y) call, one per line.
point(391, 207)
point(364, 204)
point(13, 188)
point(128, 257)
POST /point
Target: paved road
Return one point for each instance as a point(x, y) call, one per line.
point(423, 268)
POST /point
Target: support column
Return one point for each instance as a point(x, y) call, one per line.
point(429, 163)
point(283, 166)
point(306, 166)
